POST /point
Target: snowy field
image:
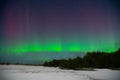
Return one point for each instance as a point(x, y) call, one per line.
point(17, 72)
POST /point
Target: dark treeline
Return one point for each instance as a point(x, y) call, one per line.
point(90, 60)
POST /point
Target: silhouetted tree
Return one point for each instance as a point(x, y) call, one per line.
point(90, 60)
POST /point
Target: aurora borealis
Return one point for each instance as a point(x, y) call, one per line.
point(58, 26)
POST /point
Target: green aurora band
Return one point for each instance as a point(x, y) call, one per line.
point(57, 46)
point(38, 26)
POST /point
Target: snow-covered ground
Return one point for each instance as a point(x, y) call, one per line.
point(17, 72)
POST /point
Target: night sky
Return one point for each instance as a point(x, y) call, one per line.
point(33, 31)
